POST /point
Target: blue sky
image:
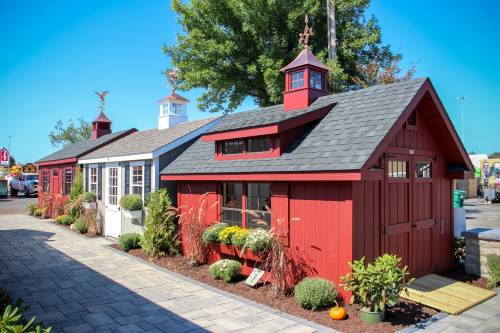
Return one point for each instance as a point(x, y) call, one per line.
point(55, 54)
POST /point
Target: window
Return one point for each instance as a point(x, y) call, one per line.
point(246, 205)
point(177, 108)
point(297, 80)
point(397, 169)
point(136, 182)
point(232, 194)
point(68, 180)
point(315, 79)
point(93, 180)
point(258, 205)
point(164, 109)
point(233, 147)
point(258, 144)
point(423, 170)
point(31, 177)
point(55, 172)
point(46, 181)
point(113, 186)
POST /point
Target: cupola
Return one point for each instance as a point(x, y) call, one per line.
point(305, 77)
point(102, 124)
point(173, 108)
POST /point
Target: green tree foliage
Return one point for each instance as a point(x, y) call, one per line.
point(73, 132)
point(235, 48)
point(494, 155)
point(160, 233)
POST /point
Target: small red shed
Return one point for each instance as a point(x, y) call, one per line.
point(348, 175)
point(57, 171)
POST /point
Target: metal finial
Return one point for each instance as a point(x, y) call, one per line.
point(173, 77)
point(308, 33)
point(102, 97)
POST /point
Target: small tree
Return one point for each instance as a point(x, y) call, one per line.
point(160, 234)
point(72, 133)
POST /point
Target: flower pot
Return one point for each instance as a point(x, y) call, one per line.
point(89, 205)
point(371, 317)
point(132, 214)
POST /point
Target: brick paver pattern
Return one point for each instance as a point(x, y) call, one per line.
point(77, 284)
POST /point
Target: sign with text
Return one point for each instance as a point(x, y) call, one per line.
point(254, 277)
point(4, 157)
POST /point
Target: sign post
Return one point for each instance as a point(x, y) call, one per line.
point(4, 157)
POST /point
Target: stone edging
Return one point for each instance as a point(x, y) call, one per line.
point(317, 327)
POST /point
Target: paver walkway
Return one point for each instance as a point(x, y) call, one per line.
point(76, 284)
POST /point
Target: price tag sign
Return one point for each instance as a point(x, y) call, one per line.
point(254, 277)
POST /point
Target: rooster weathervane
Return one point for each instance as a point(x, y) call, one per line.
point(173, 77)
point(102, 97)
point(307, 34)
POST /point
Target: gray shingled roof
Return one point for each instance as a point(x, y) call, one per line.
point(343, 140)
point(80, 148)
point(147, 141)
point(259, 117)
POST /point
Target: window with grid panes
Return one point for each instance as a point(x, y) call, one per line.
point(423, 170)
point(93, 180)
point(258, 205)
point(113, 186)
point(136, 184)
point(233, 147)
point(297, 80)
point(258, 144)
point(397, 169)
point(68, 180)
point(232, 194)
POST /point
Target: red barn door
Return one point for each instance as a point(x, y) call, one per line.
point(409, 212)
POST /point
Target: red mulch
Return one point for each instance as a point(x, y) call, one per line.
point(405, 314)
point(458, 273)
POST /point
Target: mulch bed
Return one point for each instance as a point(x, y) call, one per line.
point(458, 273)
point(405, 314)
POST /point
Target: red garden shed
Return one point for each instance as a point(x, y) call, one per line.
point(57, 171)
point(354, 174)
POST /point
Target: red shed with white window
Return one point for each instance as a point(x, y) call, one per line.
point(339, 176)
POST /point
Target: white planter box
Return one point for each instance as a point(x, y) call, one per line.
point(89, 205)
point(132, 214)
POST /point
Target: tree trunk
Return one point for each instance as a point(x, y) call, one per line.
point(332, 33)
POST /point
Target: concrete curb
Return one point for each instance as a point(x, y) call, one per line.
point(313, 325)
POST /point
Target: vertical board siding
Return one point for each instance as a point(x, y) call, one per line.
point(321, 230)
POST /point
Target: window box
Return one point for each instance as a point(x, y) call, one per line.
point(233, 251)
point(249, 255)
point(132, 214)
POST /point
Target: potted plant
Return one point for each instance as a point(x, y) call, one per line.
point(132, 206)
point(376, 285)
point(89, 200)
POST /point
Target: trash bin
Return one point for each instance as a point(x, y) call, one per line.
point(458, 198)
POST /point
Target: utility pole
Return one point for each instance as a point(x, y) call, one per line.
point(332, 32)
point(461, 100)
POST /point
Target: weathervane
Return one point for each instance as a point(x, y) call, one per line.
point(173, 77)
point(102, 96)
point(308, 33)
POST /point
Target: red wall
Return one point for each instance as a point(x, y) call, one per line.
point(56, 183)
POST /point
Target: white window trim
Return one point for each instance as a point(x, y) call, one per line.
point(108, 184)
point(131, 175)
point(90, 168)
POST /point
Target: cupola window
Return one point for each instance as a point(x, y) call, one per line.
point(297, 80)
point(315, 80)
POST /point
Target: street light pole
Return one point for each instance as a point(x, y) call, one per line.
point(461, 100)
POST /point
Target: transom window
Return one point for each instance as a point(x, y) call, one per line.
point(297, 80)
point(68, 180)
point(249, 145)
point(423, 170)
point(233, 147)
point(93, 180)
point(137, 181)
point(397, 169)
point(246, 205)
point(113, 186)
point(315, 80)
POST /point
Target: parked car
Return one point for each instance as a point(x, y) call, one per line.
point(27, 183)
point(3, 188)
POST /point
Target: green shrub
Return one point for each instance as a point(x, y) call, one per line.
point(12, 321)
point(129, 241)
point(239, 238)
point(76, 187)
point(131, 202)
point(31, 207)
point(459, 248)
point(226, 234)
point(60, 218)
point(39, 212)
point(74, 207)
point(67, 220)
point(81, 226)
point(225, 269)
point(211, 234)
point(377, 284)
point(161, 229)
point(315, 293)
point(89, 197)
point(494, 269)
point(259, 240)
